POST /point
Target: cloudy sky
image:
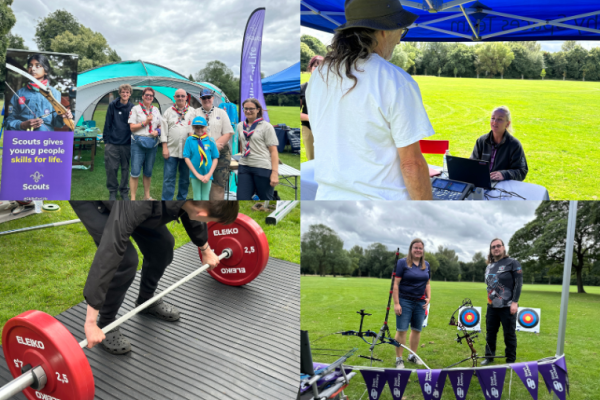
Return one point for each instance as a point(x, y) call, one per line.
point(182, 35)
point(464, 226)
point(551, 46)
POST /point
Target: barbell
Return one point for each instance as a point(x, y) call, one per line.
point(48, 363)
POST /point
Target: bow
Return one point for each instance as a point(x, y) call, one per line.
point(45, 91)
point(469, 337)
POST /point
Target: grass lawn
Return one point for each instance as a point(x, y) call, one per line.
point(554, 120)
point(330, 304)
point(46, 269)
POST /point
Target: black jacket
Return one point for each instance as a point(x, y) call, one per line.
point(116, 127)
point(303, 106)
point(124, 217)
point(510, 157)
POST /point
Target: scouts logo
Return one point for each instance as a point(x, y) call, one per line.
point(46, 111)
point(21, 100)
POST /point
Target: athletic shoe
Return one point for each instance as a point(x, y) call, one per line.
point(161, 310)
point(415, 360)
point(487, 361)
point(115, 342)
point(399, 364)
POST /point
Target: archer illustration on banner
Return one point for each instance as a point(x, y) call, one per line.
point(32, 103)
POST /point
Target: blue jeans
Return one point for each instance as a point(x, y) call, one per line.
point(169, 175)
point(413, 313)
point(141, 157)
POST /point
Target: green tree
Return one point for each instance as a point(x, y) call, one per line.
point(323, 251)
point(16, 42)
point(413, 53)
point(355, 254)
point(460, 58)
point(568, 45)
point(191, 78)
point(55, 24)
point(91, 47)
point(7, 21)
point(217, 73)
point(576, 58)
point(541, 243)
point(435, 56)
point(543, 74)
point(378, 261)
point(592, 64)
point(305, 55)
point(494, 57)
point(314, 44)
point(449, 269)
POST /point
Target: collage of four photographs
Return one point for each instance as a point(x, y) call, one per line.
point(266, 256)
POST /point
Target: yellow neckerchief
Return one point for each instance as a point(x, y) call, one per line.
point(201, 149)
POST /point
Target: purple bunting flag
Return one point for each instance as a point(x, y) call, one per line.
point(397, 380)
point(492, 382)
point(528, 372)
point(460, 381)
point(375, 381)
point(432, 382)
point(556, 378)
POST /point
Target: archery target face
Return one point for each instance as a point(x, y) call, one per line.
point(528, 319)
point(470, 318)
point(426, 316)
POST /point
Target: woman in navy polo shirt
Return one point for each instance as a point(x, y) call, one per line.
point(412, 294)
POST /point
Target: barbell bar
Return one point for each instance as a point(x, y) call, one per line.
point(49, 364)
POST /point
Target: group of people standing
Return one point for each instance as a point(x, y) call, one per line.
point(195, 143)
point(412, 295)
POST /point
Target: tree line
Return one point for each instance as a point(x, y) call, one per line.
point(539, 246)
point(514, 60)
point(61, 32)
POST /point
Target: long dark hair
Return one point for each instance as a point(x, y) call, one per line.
point(44, 62)
point(346, 49)
point(490, 257)
point(256, 103)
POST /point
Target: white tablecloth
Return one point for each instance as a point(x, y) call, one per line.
point(530, 191)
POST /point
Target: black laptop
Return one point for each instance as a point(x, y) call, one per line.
point(467, 170)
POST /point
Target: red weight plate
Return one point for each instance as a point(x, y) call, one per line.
point(250, 248)
point(36, 338)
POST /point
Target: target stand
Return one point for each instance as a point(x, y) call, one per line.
point(230, 342)
point(470, 318)
point(528, 319)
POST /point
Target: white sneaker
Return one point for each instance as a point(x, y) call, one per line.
point(415, 360)
point(400, 364)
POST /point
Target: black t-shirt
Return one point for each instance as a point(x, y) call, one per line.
point(303, 107)
point(504, 281)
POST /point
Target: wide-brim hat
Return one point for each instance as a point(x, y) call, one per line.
point(382, 15)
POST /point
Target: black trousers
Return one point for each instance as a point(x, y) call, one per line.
point(493, 318)
point(114, 156)
point(254, 180)
point(156, 246)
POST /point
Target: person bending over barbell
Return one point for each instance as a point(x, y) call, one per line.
point(112, 225)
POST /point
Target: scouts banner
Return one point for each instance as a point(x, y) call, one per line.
point(250, 84)
point(38, 125)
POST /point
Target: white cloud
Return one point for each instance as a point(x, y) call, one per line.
point(182, 35)
point(467, 227)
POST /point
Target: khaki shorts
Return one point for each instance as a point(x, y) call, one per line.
point(221, 174)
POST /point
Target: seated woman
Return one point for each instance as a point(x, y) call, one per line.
point(501, 149)
point(259, 165)
point(411, 294)
point(29, 109)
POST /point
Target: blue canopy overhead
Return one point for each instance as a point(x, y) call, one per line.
point(283, 82)
point(485, 20)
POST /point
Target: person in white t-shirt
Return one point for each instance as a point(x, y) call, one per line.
point(366, 114)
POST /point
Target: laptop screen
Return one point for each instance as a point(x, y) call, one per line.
point(467, 170)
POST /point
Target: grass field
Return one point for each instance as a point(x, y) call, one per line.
point(554, 120)
point(46, 269)
point(329, 305)
point(91, 185)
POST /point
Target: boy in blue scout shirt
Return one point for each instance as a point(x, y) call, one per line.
point(29, 100)
point(199, 152)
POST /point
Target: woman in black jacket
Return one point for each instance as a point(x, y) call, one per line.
point(501, 149)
